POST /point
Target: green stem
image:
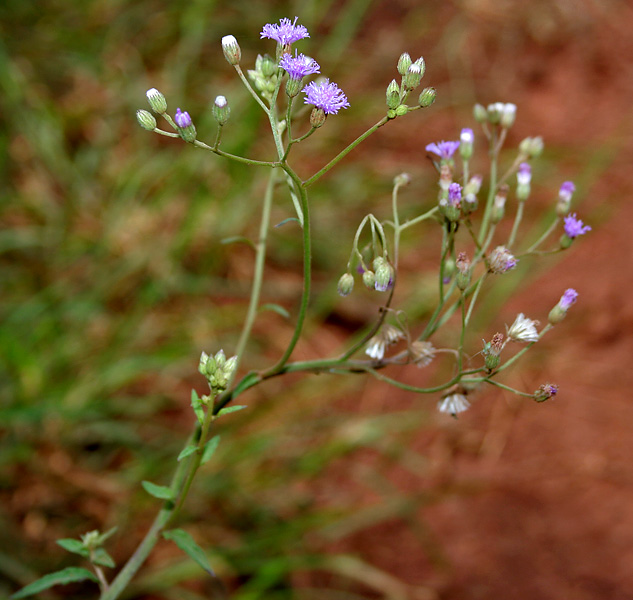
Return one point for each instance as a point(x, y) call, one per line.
point(419, 218)
point(545, 235)
point(345, 152)
point(515, 226)
point(248, 86)
point(307, 269)
point(492, 189)
point(507, 387)
point(258, 275)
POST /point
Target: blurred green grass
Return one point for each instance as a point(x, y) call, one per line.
point(114, 278)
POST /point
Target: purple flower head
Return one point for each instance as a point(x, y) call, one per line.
point(183, 120)
point(575, 227)
point(524, 174)
point(567, 188)
point(568, 298)
point(454, 194)
point(444, 150)
point(285, 33)
point(466, 136)
point(299, 65)
point(326, 96)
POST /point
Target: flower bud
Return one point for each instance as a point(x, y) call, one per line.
point(369, 280)
point(293, 87)
point(317, 117)
point(345, 284)
point(508, 115)
point(230, 366)
point(220, 359)
point(523, 330)
point(402, 179)
point(402, 110)
point(383, 274)
point(495, 111)
point(524, 176)
point(462, 278)
point(221, 110)
point(266, 65)
point(532, 146)
point(404, 62)
point(480, 113)
point(186, 128)
point(558, 313)
point(545, 392)
point(492, 350)
point(466, 139)
point(427, 97)
point(565, 193)
point(420, 62)
point(501, 260)
point(146, 119)
point(413, 77)
point(470, 191)
point(157, 101)
point(231, 49)
point(498, 206)
point(393, 95)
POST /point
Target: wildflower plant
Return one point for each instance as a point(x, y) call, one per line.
point(465, 210)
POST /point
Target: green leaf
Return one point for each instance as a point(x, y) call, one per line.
point(101, 557)
point(196, 404)
point(186, 452)
point(238, 239)
point(158, 491)
point(288, 221)
point(74, 546)
point(187, 544)
point(230, 409)
point(104, 536)
point(69, 575)
point(209, 448)
point(280, 310)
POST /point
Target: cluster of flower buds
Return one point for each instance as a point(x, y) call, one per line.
point(265, 75)
point(498, 113)
point(217, 369)
point(411, 73)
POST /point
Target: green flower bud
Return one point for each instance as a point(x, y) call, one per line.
point(427, 97)
point(345, 284)
point(266, 65)
point(156, 101)
point(220, 359)
point(480, 113)
point(413, 77)
point(369, 279)
point(231, 49)
point(402, 110)
point(221, 110)
point(293, 87)
point(404, 62)
point(146, 119)
point(393, 95)
point(317, 117)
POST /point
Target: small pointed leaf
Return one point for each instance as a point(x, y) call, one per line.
point(186, 543)
point(74, 546)
point(209, 448)
point(230, 409)
point(101, 557)
point(69, 575)
point(238, 239)
point(288, 220)
point(158, 491)
point(196, 404)
point(186, 452)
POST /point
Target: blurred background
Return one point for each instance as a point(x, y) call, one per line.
point(114, 278)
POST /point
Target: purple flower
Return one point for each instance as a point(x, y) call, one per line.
point(285, 33)
point(299, 65)
point(568, 298)
point(443, 149)
point(524, 174)
point(567, 188)
point(575, 227)
point(326, 96)
point(454, 194)
point(183, 120)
